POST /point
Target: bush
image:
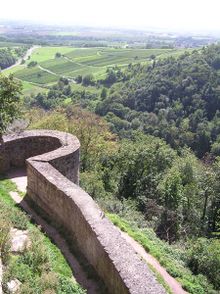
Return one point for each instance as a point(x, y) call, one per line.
point(36, 255)
point(88, 80)
point(204, 257)
point(67, 286)
point(32, 64)
point(18, 219)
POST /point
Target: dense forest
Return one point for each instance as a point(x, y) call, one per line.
point(6, 58)
point(9, 55)
point(150, 154)
point(175, 99)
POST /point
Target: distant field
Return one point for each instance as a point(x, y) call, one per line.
point(13, 70)
point(60, 65)
point(102, 57)
point(35, 75)
point(29, 88)
point(47, 53)
point(10, 44)
point(80, 61)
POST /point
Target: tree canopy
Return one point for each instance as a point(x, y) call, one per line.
point(10, 90)
point(174, 98)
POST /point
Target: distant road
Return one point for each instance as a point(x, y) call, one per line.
point(26, 56)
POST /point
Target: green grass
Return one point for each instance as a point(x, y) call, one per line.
point(13, 70)
point(60, 65)
point(91, 89)
point(40, 266)
point(171, 258)
point(29, 88)
point(11, 44)
point(35, 75)
point(102, 57)
point(160, 279)
point(85, 70)
point(78, 53)
point(47, 53)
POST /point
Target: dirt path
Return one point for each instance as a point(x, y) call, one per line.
point(57, 75)
point(0, 276)
point(170, 281)
point(20, 179)
point(26, 56)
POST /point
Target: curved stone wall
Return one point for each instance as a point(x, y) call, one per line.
point(52, 160)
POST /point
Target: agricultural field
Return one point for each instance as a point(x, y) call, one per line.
point(47, 53)
point(31, 88)
point(10, 44)
point(73, 62)
point(35, 75)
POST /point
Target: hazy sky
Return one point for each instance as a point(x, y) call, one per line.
point(171, 14)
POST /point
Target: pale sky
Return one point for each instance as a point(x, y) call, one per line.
point(167, 14)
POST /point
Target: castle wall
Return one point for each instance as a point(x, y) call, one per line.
point(52, 160)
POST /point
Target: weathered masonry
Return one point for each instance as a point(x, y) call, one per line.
point(52, 160)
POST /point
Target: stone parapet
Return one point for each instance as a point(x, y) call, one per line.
point(52, 160)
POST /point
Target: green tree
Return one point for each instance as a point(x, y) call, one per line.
point(10, 91)
point(88, 80)
point(204, 257)
point(103, 94)
point(32, 64)
point(172, 197)
point(58, 55)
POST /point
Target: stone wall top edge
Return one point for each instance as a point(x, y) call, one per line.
point(124, 259)
point(68, 143)
point(65, 139)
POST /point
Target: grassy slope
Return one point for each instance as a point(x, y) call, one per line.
point(47, 53)
point(29, 88)
point(10, 44)
point(172, 259)
point(20, 220)
point(35, 75)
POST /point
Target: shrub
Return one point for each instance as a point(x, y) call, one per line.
point(67, 286)
point(18, 219)
point(36, 255)
point(204, 257)
point(32, 64)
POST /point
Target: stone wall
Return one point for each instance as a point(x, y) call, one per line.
point(52, 171)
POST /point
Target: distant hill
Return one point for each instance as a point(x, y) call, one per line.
point(177, 99)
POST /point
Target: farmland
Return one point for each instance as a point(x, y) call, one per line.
point(10, 45)
point(72, 62)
